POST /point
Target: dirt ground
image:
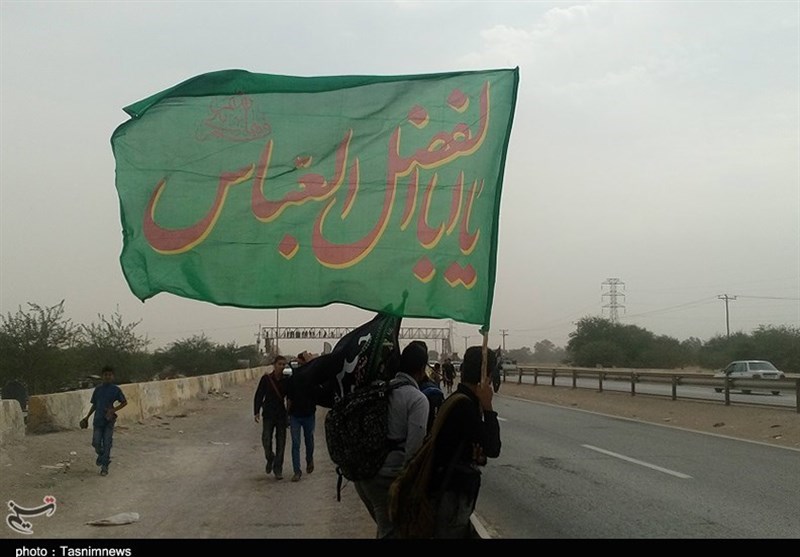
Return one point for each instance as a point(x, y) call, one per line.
point(197, 472)
point(192, 473)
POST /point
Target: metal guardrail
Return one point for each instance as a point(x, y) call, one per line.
point(675, 379)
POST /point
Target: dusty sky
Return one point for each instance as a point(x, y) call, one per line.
point(656, 143)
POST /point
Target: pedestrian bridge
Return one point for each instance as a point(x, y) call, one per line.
point(443, 334)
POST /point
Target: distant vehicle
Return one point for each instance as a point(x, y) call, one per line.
point(291, 365)
point(508, 365)
point(750, 369)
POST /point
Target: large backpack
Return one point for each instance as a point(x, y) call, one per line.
point(411, 502)
point(356, 431)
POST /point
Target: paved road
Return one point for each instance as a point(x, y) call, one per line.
point(572, 474)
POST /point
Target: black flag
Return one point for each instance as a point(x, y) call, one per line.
point(365, 354)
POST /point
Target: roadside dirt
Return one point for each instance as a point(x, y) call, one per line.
point(198, 472)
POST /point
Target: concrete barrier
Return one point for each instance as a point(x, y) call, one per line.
point(12, 422)
point(63, 411)
point(132, 413)
point(57, 411)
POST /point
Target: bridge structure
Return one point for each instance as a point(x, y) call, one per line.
point(440, 335)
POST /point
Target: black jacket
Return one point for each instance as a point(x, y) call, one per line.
point(301, 396)
point(269, 400)
point(465, 427)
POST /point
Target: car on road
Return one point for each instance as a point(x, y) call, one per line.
point(750, 369)
point(508, 365)
point(291, 365)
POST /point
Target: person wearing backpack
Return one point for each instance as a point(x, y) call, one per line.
point(407, 427)
point(435, 398)
point(431, 389)
point(269, 401)
point(468, 434)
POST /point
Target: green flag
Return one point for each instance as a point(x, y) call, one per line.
point(269, 191)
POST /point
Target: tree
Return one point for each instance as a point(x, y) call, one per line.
point(197, 355)
point(522, 355)
point(116, 343)
point(780, 345)
point(601, 353)
point(595, 341)
point(599, 341)
point(691, 348)
point(32, 342)
point(546, 352)
point(188, 356)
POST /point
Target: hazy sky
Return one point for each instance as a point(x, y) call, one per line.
point(657, 143)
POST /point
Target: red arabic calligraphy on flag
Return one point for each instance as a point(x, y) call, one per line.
point(262, 191)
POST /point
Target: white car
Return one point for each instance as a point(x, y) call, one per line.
point(750, 369)
point(508, 365)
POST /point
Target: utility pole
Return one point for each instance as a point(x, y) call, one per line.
point(613, 306)
point(466, 338)
point(277, 330)
point(504, 332)
point(727, 315)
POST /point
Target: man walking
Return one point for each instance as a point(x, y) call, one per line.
point(469, 434)
point(269, 402)
point(302, 417)
point(407, 420)
point(105, 416)
point(449, 374)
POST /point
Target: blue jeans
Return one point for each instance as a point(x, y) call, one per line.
point(101, 441)
point(307, 424)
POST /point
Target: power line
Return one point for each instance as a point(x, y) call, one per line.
point(701, 301)
point(768, 298)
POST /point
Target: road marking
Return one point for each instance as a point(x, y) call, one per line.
point(642, 463)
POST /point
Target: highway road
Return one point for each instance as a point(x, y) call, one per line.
point(787, 399)
point(564, 473)
point(570, 474)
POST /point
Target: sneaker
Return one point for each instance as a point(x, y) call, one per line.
point(310, 467)
point(296, 477)
point(104, 471)
point(269, 466)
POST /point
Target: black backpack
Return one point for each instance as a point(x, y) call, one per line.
point(356, 431)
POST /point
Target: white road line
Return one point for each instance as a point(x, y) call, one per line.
point(646, 464)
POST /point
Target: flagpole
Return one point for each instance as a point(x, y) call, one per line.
point(484, 359)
